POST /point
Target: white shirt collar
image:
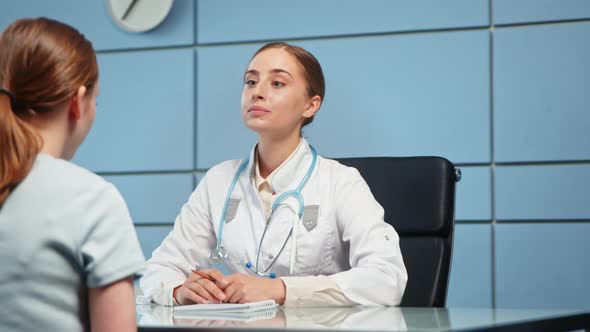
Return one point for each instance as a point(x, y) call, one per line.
point(289, 173)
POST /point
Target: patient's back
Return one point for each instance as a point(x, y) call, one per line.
point(62, 230)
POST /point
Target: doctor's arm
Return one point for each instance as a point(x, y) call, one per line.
point(375, 255)
point(185, 247)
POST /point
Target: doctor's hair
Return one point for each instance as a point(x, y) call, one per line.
point(43, 63)
point(311, 68)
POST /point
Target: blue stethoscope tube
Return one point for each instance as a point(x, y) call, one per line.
point(219, 254)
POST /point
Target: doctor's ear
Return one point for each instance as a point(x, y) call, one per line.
point(314, 105)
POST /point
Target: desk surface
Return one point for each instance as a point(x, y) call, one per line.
point(158, 318)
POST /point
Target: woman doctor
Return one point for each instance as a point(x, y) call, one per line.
point(285, 223)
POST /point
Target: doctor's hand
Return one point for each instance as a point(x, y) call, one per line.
point(244, 288)
point(198, 289)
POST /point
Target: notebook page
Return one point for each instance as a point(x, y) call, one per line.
point(210, 315)
point(227, 307)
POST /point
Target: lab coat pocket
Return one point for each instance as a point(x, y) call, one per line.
point(235, 260)
point(315, 244)
point(233, 240)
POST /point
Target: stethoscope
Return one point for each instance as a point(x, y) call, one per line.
point(218, 254)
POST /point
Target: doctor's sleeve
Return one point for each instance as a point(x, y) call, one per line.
point(378, 275)
point(185, 248)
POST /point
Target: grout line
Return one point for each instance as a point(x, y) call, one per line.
point(195, 44)
point(527, 163)
point(471, 164)
point(291, 39)
point(195, 107)
point(521, 221)
point(195, 23)
point(492, 156)
point(473, 222)
point(162, 172)
point(542, 221)
point(144, 49)
point(160, 224)
point(493, 165)
point(543, 163)
point(195, 88)
point(348, 36)
point(546, 22)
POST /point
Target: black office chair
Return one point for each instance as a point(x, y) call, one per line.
point(418, 195)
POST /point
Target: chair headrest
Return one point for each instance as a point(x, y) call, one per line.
point(417, 193)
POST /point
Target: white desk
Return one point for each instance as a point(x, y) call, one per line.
point(159, 318)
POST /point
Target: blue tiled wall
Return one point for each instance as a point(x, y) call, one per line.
point(426, 80)
point(542, 265)
point(154, 198)
point(551, 192)
point(497, 86)
point(540, 106)
point(473, 194)
point(530, 11)
point(92, 19)
point(242, 21)
point(471, 273)
point(145, 120)
point(150, 237)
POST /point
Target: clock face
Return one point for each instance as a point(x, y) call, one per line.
point(139, 15)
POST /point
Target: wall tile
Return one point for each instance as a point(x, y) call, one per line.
point(154, 198)
point(474, 194)
point(150, 237)
point(540, 110)
point(92, 18)
point(415, 95)
point(308, 18)
point(144, 119)
point(542, 266)
point(471, 270)
point(542, 192)
point(523, 11)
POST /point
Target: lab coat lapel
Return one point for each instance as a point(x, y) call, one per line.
point(289, 175)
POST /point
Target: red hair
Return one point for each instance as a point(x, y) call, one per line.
point(43, 62)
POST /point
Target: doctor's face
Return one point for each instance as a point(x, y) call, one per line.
point(274, 99)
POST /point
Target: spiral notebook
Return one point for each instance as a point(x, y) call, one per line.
point(228, 310)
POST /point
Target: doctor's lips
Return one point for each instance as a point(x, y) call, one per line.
point(258, 110)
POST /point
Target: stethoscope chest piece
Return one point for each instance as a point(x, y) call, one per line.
point(218, 255)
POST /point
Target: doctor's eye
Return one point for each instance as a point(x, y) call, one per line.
point(250, 82)
point(277, 84)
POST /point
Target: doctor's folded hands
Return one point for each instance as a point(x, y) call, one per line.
point(283, 223)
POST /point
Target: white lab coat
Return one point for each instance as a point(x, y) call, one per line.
point(350, 242)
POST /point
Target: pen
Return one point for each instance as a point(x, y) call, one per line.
point(204, 275)
point(208, 277)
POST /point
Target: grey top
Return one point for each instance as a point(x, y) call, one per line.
point(62, 230)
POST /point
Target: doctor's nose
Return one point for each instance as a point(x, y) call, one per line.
point(258, 93)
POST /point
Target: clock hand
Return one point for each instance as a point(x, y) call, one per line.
point(128, 10)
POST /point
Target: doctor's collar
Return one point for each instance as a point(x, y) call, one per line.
point(290, 172)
